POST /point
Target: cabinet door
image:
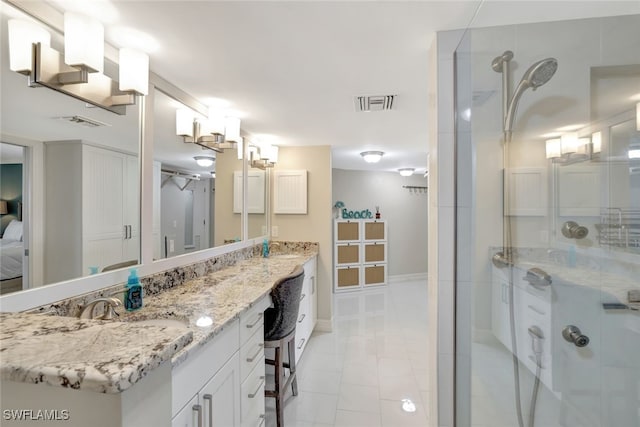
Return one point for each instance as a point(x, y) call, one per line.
point(189, 415)
point(220, 397)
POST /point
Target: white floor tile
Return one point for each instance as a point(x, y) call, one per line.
point(393, 416)
point(359, 398)
point(319, 381)
point(357, 419)
point(388, 367)
point(399, 387)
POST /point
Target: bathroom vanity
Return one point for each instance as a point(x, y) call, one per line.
point(192, 356)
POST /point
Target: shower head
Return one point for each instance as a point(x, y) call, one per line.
point(540, 73)
point(498, 61)
point(537, 75)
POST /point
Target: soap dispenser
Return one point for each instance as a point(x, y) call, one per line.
point(133, 292)
point(265, 248)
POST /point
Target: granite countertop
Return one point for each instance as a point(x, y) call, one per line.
point(111, 356)
point(613, 286)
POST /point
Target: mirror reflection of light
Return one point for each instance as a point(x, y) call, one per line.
point(466, 114)
point(204, 321)
point(408, 405)
point(570, 128)
point(634, 152)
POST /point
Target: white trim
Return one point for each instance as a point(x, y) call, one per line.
point(413, 277)
point(324, 325)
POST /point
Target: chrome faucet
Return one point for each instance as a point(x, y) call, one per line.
point(109, 308)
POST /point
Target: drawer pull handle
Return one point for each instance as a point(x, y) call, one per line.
point(537, 310)
point(252, 395)
point(302, 318)
point(210, 399)
point(252, 358)
point(302, 297)
point(197, 412)
point(249, 326)
point(261, 418)
point(301, 343)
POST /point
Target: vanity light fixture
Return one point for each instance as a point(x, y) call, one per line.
point(596, 142)
point(206, 131)
point(634, 152)
point(372, 156)
point(263, 156)
point(406, 171)
point(638, 116)
point(204, 161)
point(79, 72)
point(568, 148)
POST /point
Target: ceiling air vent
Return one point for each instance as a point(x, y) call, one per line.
point(374, 102)
point(84, 121)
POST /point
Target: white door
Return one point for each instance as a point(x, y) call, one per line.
point(220, 397)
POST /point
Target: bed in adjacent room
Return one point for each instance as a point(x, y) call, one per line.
point(11, 252)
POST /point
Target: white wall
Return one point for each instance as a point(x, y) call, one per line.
point(404, 211)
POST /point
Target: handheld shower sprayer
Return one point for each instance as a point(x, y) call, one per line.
point(537, 75)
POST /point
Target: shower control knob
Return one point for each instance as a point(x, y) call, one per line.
point(574, 335)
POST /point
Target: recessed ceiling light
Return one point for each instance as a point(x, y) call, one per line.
point(372, 156)
point(406, 171)
point(204, 161)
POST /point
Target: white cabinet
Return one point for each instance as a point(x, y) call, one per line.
point(308, 311)
point(222, 384)
point(92, 203)
point(360, 253)
point(289, 191)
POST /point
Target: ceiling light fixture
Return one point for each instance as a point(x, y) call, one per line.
point(31, 54)
point(406, 171)
point(372, 156)
point(204, 161)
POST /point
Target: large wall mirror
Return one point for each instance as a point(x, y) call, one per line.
point(600, 188)
point(72, 186)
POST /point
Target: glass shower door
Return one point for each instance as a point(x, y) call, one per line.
point(548, 225)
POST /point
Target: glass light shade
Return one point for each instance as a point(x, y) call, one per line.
point(22, 35)
point(184, 122)
point(134, 71)
point(553, 148)
point(83, 42)
point(204, 161)
point(406, 171)
point(596, 142)
point(372, 156)
point(215, 122)
point(232, 129)
point(254, 154)
point(569, 143)
point(634, 151)
point(638, 116)
point(240, 147)
point(269, 152)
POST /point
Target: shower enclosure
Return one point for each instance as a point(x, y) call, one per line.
point(548, 224)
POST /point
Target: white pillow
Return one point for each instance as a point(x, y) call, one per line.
point(13, 231)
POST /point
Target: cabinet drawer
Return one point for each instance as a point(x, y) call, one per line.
point(348, 277)
point(347, 254)
point(252, 389)
point(190, 376)
point(253, 319)
point(375, 252)
point(251, 353)
point(347, 231)
point(375, 274)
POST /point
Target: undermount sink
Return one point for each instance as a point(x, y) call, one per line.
point(173, 323)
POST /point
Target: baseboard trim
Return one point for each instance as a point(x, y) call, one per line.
point(324, 325)
point(407, 277)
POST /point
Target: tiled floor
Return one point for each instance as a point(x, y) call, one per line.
point(359, 374)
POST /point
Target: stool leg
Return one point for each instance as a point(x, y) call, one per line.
point(291, 346)
point(278, 380)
